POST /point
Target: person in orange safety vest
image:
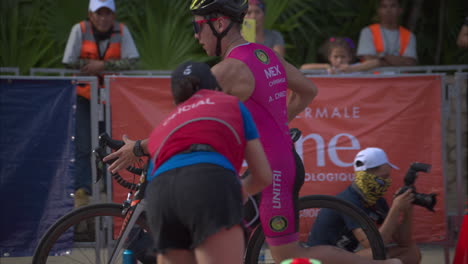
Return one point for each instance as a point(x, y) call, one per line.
point(96, 45)
point(390, 43)
point(100, 44)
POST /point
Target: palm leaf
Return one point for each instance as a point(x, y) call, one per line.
point(163, 34)
point(26, 43)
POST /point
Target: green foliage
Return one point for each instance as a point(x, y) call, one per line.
point(306, 24)
point(428, 29)
point(59, 17)
point(24, 42)
point(33, 33)
point(163, 33)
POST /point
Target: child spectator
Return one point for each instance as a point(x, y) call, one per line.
point(341, 55)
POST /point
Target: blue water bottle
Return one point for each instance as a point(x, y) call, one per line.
point(128, 257)
point(261, 257)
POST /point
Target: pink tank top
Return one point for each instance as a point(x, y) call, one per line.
point(267, 104)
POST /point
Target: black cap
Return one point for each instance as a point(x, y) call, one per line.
point(197, 69)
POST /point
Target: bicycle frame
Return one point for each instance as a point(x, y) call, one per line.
point(132, 208)
point(129, 222)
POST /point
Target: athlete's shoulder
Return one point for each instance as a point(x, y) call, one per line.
point(228, 66)
point(230, 69)
point(234, 77)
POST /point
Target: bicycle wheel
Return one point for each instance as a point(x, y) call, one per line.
point(307, 207)
point(74, 238)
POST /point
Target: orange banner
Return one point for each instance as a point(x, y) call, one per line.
point(401, 115)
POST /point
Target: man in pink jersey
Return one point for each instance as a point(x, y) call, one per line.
point(260, 78)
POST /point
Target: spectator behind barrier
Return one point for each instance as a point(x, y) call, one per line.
point(270, 38)
point(462, 40)
point(390, 43)
point(95, 45)
point(340, 52)
point(372, 170)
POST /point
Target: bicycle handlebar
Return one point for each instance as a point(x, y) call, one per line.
point(106, 141)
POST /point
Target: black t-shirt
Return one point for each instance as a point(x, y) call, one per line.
point(334, 228)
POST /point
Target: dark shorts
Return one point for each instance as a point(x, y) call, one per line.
point(187, 205)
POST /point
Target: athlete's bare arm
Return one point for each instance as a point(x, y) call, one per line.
point(302, 89)
point(235, 78)
point(391, 60)
point(260, 172)
point(391, 224)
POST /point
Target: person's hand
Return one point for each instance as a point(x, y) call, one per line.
point(124, 155)
point(463, 42)
point(343, 67)
point(403, 201)
point(93, 67)
point(332, 70)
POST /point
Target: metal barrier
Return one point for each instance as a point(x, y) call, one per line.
point(11, 70)
point(382, 70)
point(453, 96)
point(52, 71)
point(69, 72)
point(402, 69)
point(461, 80)
point(72, 81)
point(423, 69)
point(450, 97)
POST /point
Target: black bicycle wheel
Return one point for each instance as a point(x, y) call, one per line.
point(74, 238)
point(257, 241)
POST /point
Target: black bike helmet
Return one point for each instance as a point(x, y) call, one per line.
point(234, 9)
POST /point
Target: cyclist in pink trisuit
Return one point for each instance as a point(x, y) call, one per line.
point(260, 78)
point(268, 109)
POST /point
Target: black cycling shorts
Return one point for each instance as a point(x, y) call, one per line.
point(186, 205)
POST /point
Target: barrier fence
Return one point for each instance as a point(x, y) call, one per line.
point(37, 129)
point(382, 70)
point(461, 81)
point(405, 114)
point(9, 70)
point(399, 114)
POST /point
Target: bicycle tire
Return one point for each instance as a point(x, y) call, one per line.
point(256, 241)
point(69, 221)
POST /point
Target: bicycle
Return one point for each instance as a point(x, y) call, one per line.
point(133, 216)
point(102, 217)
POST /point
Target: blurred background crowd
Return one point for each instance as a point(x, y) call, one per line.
point(34, 33)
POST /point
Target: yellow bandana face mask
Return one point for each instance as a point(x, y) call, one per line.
point(372, 187)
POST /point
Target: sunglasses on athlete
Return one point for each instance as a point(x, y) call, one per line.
point(197, 24)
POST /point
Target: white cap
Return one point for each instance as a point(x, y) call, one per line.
point(370, 158)
point(94, 5)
